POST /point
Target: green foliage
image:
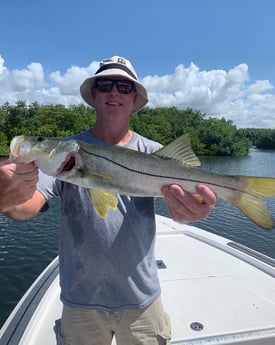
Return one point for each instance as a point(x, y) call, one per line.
point(221, 138)
point(4, 149)
point(165, 124)
point(209, 136)
point(263, 138)
point(45, 120)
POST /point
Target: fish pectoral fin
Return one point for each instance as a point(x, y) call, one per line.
point(180, 150)
point(99, 176)
point(102, 201)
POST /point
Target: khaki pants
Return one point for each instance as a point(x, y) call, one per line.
point(148, 326)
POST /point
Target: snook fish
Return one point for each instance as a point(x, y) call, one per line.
point(110, 170)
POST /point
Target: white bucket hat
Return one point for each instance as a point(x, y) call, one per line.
point(113, 67)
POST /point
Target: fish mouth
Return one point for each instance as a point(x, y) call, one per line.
point(18, 147)
point(67, 166)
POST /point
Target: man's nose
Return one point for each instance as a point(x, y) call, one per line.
point(114, 89)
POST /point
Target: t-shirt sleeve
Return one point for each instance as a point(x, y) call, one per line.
point(49, 187)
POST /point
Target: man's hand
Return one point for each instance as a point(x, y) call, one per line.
point(17, 183)
point(185, 207)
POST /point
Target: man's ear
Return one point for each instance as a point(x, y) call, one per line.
point(135, 97)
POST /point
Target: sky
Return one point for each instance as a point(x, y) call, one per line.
point(214, 56)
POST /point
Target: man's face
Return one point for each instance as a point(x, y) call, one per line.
point(114, 94)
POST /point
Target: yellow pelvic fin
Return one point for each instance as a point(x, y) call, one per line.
point(181, 150)
point(252, 200)
point(102, 201)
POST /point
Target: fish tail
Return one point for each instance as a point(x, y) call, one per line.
point(252, 201)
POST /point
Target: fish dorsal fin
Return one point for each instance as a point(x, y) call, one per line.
point(180, 150)
point(102, 201)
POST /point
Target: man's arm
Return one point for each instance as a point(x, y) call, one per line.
point(28, 209)
point(185, 207)
point(19, 198)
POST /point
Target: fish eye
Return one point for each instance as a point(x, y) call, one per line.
point(40, 139)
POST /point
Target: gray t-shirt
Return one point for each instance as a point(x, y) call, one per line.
point(107, 263)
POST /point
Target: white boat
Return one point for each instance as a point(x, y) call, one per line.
point(216, 292)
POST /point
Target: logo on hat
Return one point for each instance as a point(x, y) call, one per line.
point(120, 60)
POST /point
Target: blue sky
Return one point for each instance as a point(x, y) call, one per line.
point(217, 56)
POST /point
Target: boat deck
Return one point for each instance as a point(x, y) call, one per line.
point(211, 288)
point(215, 291)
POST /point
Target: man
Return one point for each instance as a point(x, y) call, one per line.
point(108, 275)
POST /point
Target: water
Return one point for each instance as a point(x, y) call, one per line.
point(26, 248)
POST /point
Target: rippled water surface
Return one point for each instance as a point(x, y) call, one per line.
point(26, 248)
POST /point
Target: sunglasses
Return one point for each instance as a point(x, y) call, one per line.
point(123, 86)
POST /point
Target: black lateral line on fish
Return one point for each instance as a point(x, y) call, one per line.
point(154, 175)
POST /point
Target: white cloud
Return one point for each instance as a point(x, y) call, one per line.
point(28, 79)
point(69, 83)
point(218, 93)
point(2, 67)
point(260, 86)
